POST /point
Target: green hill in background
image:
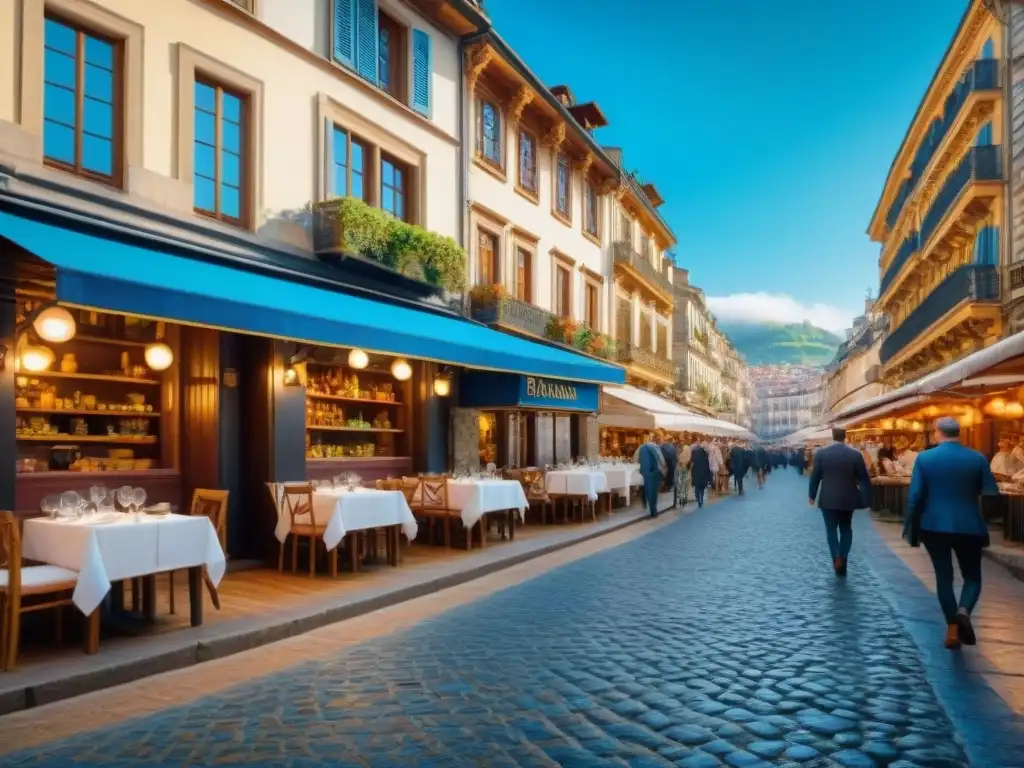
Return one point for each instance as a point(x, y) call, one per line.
point(773, 344)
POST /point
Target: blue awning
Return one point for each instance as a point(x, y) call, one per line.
point(108, 274)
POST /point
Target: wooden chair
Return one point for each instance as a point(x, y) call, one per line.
point(535, 488)
point(297, 503)
point(17, 582)
point(428, 498)
point(213, 505)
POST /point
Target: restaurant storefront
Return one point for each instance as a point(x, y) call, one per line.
point(189, 369)
point(523, 420)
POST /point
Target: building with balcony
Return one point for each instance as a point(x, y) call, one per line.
point(854, 375)
point(940, 218)
point(787, 401)
point(642, 297)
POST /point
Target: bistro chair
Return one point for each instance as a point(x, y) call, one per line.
point(50, 582)
point(534, 486)
point(428, 498)
point(213, 505)
point(297, 503)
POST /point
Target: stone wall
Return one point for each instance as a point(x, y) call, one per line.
point(465, 439)
point(590, 437)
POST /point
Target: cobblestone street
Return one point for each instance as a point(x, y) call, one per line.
point(721, 639)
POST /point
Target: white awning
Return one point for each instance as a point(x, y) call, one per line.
point(632, 408)
point(963, 373)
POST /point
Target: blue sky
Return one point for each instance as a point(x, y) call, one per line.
point(768, 127)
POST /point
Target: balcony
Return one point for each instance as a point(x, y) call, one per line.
point(630, 355)
point(641, 267)
point(963, 197)
point(982, 75)
point(969, 291)
point(514, 315)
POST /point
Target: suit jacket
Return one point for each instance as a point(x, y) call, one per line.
point(700, 467)
point(651, 460)
point(671, 454)
point(843, 478)
point(945, 487)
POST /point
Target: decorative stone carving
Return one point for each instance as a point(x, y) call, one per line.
point(586, 163)
point(519, 102)
point(608, 186)
point(479, 56)
point(621, 191)
point(555, 137)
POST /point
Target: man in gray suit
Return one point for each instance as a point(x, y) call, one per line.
point(845, 485)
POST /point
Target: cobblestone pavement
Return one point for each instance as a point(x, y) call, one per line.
point(723, 639)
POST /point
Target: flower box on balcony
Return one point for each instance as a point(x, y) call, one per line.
point(346, 228)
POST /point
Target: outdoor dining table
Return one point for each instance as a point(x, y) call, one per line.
point(115, 547)
point(475, 498)
point(338, 512)
point(621, 478)
point(577, 482)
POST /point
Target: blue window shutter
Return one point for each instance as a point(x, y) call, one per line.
point(366, 39)
point(344, 32)
point(985, 136)
point(986, 246)
point(988, 50)
point(422, 67)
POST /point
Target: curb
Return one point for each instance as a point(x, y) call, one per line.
point(203, 650)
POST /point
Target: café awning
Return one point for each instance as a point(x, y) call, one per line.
point(122, 276)
point(632, 408)
point(994, 366)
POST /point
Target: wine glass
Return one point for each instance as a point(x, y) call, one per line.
point(138, 499)
point(124, 497)
point(50, 505)
point(69, 501)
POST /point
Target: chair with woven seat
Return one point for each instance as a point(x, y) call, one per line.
point(18, 582)
point(535, 487)
point(297, 503)
point(428, 498)
point(211, 504)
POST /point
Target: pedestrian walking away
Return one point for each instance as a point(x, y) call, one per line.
point(841, 484)
point(945, 515)
point(652, 470)
point(738, 466)
point(683, 474)
point(671, 456)
point(700, 471)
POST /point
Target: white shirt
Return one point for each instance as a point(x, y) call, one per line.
point(1003, 463)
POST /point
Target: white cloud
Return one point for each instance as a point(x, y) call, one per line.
point(752, 308)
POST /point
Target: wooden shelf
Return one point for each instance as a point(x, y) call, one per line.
point(88, 377)
point(110, 342)
point(340, 399)
point(150, 440)
point(351, 429)
point(382, 459)
point(105, 414)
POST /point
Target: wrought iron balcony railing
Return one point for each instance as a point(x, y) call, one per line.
point(973, 283)
point(980, 164)
point(623, 253)
point(982, 75)
point(627, 353)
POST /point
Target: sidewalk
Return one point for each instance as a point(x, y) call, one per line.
point(70, 672)
point(982, 688)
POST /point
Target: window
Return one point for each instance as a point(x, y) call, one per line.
point(219, 152)
point(645, 247)
point(394, 179)
point(645, 330)
point(563, 295)
point(524, 275)
point(349, 165)
point(563, 186)
point(662, 341)
point(488, 140)
point(528, 162)
point(487, 268)
point(624, 229)
point(81, 102)
point(391, 56)
point(592, 306)
point(590, 208)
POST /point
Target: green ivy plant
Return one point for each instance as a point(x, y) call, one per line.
point(406, 248)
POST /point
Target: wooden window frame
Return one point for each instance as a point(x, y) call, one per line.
point(592, 309)
point(350, 139)
point(404, 190)
point(593, 235)
point(399, 64)
point(244, 154)
point(496, 237)
point(564, 216)
point(83, 31)
point(530, 193)
point(559, 261)
point(528, 270)
point(493, 165)
point(192, 66)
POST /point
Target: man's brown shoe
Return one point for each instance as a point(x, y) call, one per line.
point(952, 637)
point(839, 565)
point(966, 629)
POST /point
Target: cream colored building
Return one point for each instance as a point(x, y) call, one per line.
point(279, 112)
point(784, 407)
point(855, 374)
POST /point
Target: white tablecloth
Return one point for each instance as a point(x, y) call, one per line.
point(103, 552)
point(475, 498)
point(577, 482)
point(337, 512)
point(621, 477)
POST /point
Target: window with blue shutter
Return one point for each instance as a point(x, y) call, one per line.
point(422, 66)
point(986, 246)
point(988, 50)
point(366, 39)
point(985, 135)
point(344, 32)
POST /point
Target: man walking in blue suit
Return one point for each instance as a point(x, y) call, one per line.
point(845, 486)
point(652, 469)
point(944, 514)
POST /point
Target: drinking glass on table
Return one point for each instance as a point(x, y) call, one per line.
point(124, 498)
point(50, 505)
point(69, 501)
point(138, 500)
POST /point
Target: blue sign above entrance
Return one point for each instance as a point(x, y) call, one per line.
point(505, 390)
